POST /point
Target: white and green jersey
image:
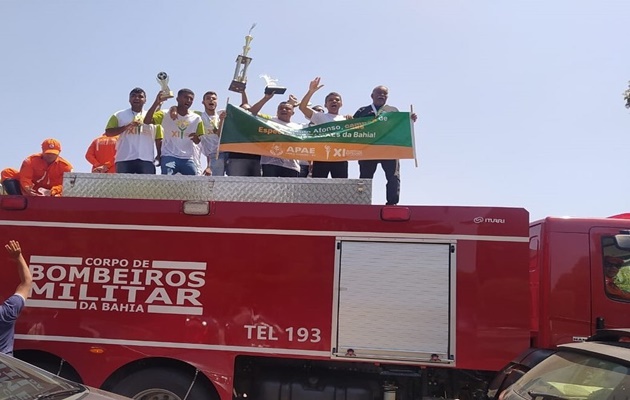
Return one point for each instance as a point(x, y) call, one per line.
point(137, 143)
point(176, 142)
point(124, 117)
point(209, 141)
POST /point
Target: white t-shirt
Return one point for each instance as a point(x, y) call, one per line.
point(321, 118)
point(282, 162)
point(137, 143)
point(176, 142)
point(209, 141)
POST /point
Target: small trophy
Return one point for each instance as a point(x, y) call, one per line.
point(162, 78)
point(242, 62)
point(272, 85)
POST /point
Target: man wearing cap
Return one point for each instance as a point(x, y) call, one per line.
point(136, 145)
point(41, 174)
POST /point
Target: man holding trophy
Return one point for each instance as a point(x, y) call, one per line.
point(274, 166)
point(135, 147)
point(182, 130)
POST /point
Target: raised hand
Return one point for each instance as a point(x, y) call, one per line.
point(293, 100)
point(13, 248)
point(314, 85)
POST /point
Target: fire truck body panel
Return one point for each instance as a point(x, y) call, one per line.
point(120, 281)
point(567, 279)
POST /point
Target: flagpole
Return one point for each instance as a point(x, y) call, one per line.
point(413, 138)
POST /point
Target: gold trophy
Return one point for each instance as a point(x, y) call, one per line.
point(242, 62)
point(162, 78)
point(272, 85)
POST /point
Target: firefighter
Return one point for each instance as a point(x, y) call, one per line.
point(11, 308)
point(102, 154)
point(41, 174)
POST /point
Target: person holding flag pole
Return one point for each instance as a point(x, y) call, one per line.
point(367, 168)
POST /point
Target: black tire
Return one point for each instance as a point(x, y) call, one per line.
point(159, 383)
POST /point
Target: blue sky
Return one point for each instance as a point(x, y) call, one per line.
point(519, 102)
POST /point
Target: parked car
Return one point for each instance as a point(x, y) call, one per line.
point(515, 370)
point(23, 381)
point(597, 369)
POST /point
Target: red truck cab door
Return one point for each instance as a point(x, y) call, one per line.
point(610, 279)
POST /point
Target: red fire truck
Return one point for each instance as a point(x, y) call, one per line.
point(160, 298)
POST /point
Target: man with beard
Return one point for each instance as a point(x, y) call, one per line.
point(367, 168)
point(135, 147)
point(182, 130)
point(274, 166)
point(210, 141)
point(321, 169)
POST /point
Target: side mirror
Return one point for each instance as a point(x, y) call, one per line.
point(622, 241)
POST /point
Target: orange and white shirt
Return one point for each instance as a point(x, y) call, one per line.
point(102, 152)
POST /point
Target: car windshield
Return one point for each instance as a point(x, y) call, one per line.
point(19, 380)
point(567, 375)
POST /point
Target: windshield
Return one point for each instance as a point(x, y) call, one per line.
point(19, 380)
point(575, 376)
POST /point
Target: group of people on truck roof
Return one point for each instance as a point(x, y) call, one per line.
point(176, 139)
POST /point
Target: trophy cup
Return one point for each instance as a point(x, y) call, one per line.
point(272, 85)
point(242, 62)
point(162, 79)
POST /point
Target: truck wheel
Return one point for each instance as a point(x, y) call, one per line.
point(162, 383)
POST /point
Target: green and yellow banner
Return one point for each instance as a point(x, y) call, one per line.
point(386, 136)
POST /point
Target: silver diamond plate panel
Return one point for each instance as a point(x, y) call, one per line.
point(399, 312)
point(223, 188)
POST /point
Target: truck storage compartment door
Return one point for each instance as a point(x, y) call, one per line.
point(394, 300)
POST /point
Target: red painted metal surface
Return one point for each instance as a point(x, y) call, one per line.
point(257, 274)
point(567, 279)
